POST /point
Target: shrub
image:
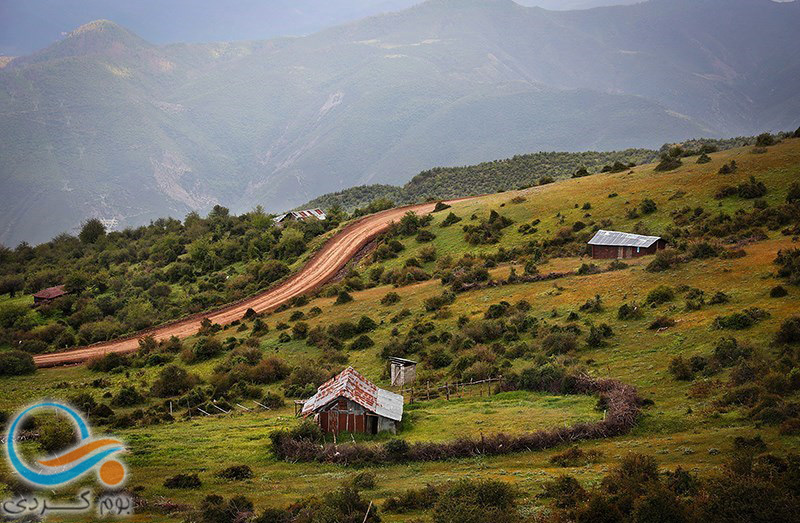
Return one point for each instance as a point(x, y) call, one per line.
point(573, 457)
point(127, 397)
point(497, 310)
point(206, 348)
point(108, 362)
point(559, 343)
point(439, 358)
point(16, 363)
point(236, 473)
point(300, 330)
point(751, 189)
point(659, 295)
point(362, 342)
point(668, 163)
point(342, 298)
point(435, 303)
point(566, 492)
point(664, 260)
point(793, 194)
point(680, 369)
point(187, 481)
point(597, 335)
point(765, 140)
point(718, 298)
point(56, 435)
point(648, 206)
point(703, 158)
point(789, 332)
point(662, 322)
point(425, 236)
point(471, 501)
point(728, 352)
point(590, 268)
point(396, 450)
point(171, 381)
point(412, 499)
point(728, 168)
point(273, 401)
point(740, 320)
point(778, 292)
point(450, 220)
point(363, 480)
point(629, 312)
point(593, 305)
point(789, 265)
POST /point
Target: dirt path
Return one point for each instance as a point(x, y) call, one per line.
point(322, 266)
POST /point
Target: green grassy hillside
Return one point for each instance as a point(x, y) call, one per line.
point(717, 282)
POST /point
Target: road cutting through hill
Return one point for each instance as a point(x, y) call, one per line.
point(333, 255)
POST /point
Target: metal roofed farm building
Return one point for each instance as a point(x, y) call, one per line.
point(614, 244)
point(350, 402)
point(49, 294)
point(307, 214)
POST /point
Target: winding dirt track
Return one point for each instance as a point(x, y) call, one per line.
point(333, 255)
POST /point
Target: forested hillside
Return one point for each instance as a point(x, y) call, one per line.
point(512, 173)
point(123, 282)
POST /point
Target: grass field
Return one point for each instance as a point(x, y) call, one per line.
point(678, 429)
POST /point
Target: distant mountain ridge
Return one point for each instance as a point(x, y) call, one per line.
point(104, 124)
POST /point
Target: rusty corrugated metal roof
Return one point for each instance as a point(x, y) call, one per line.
point(50, 293)
point(622, 239)
point(351, 385)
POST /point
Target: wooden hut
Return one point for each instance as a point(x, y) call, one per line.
point(402, 371)
point(614, 244)
point(349, 402)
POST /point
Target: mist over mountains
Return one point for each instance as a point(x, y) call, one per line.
point(105, 124)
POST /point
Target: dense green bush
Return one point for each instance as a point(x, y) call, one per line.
point(16, 363)
point(629, 312)
point(477, 501)
point(740, 320)
point(127, 396)
point(236, 473)
point(659, 295)
point(183, 481)
point(789, 332)
point(342, 298)
point(172, 381)
point(56, 435)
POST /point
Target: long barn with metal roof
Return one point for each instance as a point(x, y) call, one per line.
point(350, 402)
point(615, 244)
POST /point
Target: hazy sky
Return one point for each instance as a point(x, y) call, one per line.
point(28, 25)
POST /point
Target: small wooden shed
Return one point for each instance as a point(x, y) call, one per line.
point(350, 402)
point(49, 294)
point(615, 244)
point(403, 371)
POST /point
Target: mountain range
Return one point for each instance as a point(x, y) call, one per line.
point(105, 124)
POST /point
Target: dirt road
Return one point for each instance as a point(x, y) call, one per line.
point(323, 265)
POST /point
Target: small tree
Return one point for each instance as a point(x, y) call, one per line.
point(765, 140)
point(92, 230)
point(11, 285)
